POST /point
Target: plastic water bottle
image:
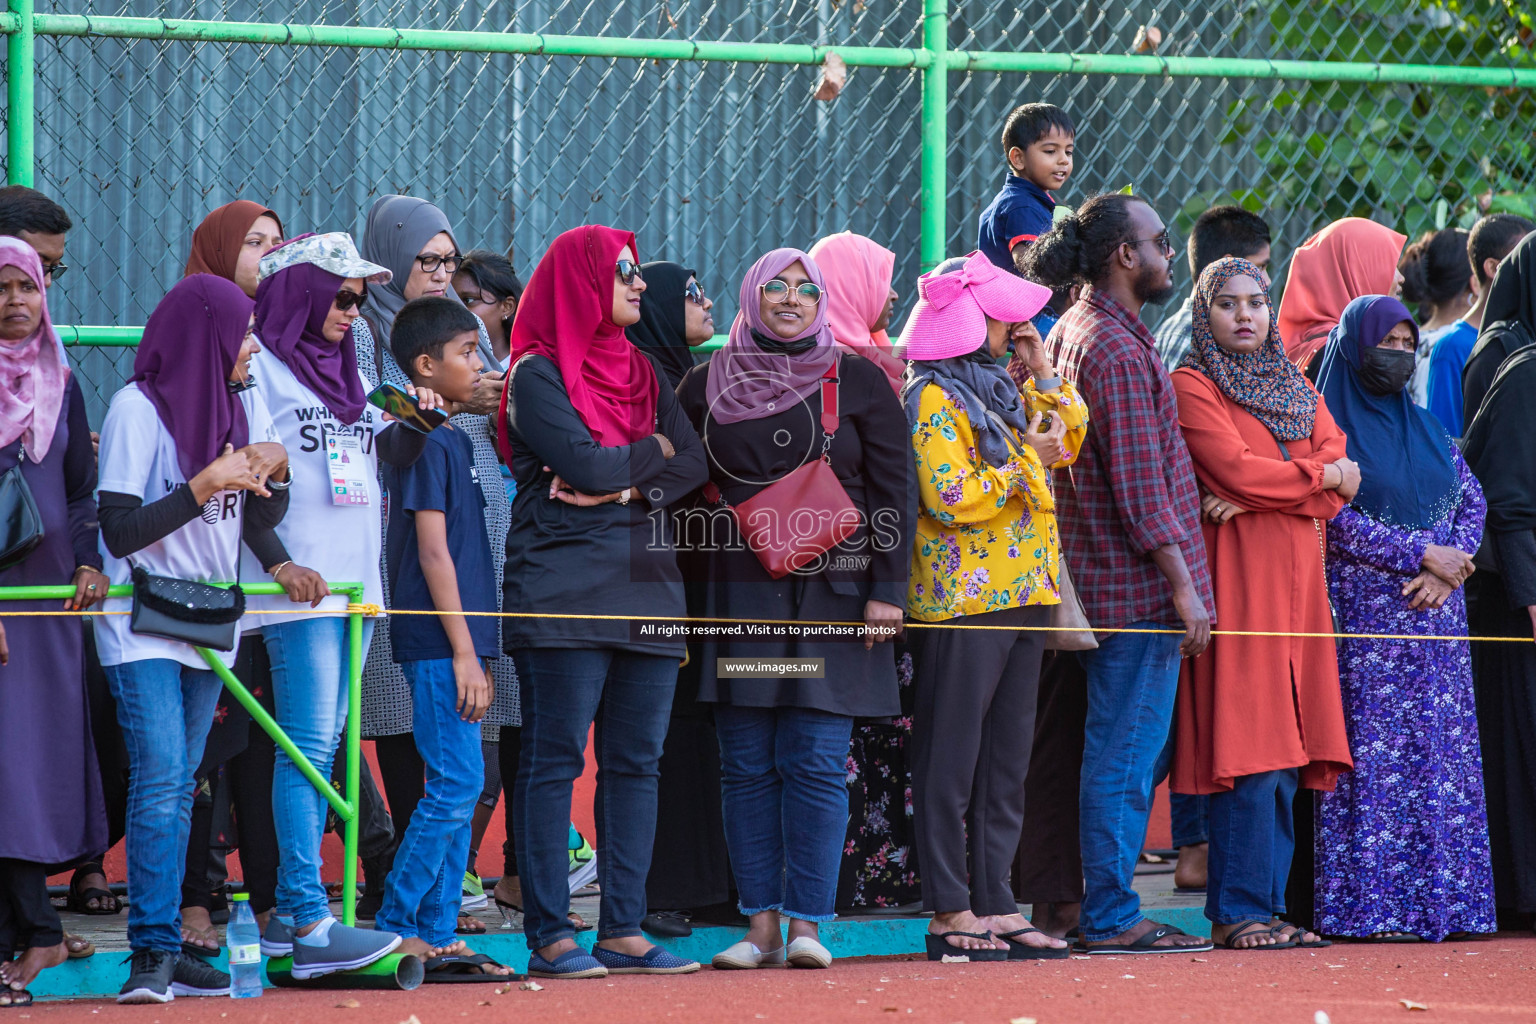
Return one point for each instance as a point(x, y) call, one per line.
point(244, 941)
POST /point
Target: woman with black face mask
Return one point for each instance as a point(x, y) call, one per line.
point(1402, 843)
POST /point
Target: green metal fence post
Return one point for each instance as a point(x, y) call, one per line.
point(20, 93)
point(935, 136)
point(344, 809)
point(354, 761)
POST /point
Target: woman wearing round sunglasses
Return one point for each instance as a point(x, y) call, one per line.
point(309, 297)
point(413, 238)
point(784, 742)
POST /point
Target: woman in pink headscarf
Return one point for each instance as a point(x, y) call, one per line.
point(758, 406)
point(860, 297)
point(50, 788)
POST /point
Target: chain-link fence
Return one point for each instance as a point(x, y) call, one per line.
point(713, 161)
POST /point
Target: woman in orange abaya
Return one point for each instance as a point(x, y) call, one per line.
point(1257, 717)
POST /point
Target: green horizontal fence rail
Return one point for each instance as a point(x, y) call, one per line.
point(344, 804)
point(934, 60)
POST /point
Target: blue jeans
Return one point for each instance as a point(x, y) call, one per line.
point(629, 698)
point(1252, 839)
point(165, 710)
point(784, 787)
point(423, 893)
point(1189, 816)
point(1132, 679)
point(309, 686)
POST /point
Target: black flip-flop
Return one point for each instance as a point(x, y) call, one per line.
point(1403, 938)
point(940, 947)
point(195, 950)
point(1249, 928)
point(1024, 951)
point(19, 997)
point(1146, 944)
point(461, 969)
point(478, 929)
point(1189, 890)
point(1319, 943)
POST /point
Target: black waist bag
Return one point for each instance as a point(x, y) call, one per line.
point(187, 612)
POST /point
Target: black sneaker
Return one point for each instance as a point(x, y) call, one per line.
point(194, 976)
point(149, 977)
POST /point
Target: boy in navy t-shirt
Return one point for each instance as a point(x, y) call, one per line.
point(1037, 144)
point(439, 559)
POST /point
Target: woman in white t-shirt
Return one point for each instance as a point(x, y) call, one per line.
point(310, 292)
point(189, 467)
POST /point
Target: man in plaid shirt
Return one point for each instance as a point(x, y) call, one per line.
point(1130, 518)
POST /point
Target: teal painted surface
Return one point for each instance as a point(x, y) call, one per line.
point(102, 975)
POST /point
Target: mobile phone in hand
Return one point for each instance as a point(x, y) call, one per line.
point(1045, 424)
point(396, 401)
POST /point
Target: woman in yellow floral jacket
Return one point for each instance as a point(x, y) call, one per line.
point(986, 554)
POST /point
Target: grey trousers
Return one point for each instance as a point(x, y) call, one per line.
point(973, 724)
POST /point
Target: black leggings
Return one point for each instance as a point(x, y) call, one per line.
point(404, 775)
point(510, 752)
point(27, 917)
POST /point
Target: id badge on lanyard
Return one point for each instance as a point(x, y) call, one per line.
point(347, 468)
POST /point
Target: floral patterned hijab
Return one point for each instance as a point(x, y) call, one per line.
point(1264, 381)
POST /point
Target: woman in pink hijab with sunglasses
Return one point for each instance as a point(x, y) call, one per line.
point(758, 407)
point(860, 298)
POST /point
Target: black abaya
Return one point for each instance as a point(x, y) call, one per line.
point(1501, 449)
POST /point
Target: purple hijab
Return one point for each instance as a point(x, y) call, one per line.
point(747, 383)
point(190, 346)
point(291, 307)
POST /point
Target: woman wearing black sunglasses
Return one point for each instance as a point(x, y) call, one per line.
point(306, 307)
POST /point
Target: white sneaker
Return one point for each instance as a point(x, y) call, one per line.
point(744, 956)
point(807, 952)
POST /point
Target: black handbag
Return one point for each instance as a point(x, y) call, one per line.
point(21, 526)
point(185, 611)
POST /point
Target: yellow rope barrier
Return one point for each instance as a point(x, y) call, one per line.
point(375, 611)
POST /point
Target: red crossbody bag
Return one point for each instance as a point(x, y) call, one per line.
point(801, 516)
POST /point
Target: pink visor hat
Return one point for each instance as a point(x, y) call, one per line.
point(950, 318)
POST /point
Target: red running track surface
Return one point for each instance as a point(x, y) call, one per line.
point(1492, 980)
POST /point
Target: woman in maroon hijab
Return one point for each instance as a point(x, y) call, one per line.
point(230, 241)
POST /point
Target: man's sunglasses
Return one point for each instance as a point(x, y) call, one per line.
point(55, 271)
point(694, 293)
point(346, 298)
point(628, 270)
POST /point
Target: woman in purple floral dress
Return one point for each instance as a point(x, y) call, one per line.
point(1402, 843)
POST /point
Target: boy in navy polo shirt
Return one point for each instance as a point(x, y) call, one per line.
point(439, 559)
point(1037, 143)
